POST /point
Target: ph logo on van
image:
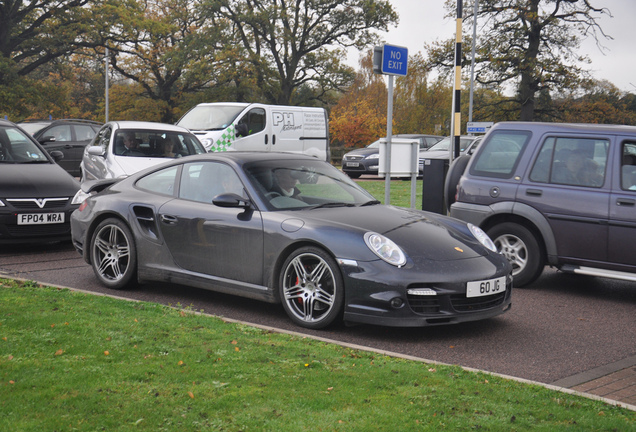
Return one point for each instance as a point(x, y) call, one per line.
point(286, 120)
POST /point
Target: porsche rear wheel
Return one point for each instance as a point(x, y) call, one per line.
point(311, 288)
point(113, 254)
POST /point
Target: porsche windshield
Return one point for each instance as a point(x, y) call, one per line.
point(304, 184)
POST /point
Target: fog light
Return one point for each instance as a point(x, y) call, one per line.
point(422, 292)
point(397, 303)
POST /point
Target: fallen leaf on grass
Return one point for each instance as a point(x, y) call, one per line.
point(106, 353)
point(59, 352)
point(191, 395)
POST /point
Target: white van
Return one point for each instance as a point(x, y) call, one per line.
point(222, 126)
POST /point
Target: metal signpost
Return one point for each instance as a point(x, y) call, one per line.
point(390, 60)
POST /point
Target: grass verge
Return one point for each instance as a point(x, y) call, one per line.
point(400, 194)
point(75, 361)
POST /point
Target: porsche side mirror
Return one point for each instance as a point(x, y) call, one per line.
point(231, 200)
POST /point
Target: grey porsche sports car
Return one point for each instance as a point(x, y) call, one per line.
point(289, 229)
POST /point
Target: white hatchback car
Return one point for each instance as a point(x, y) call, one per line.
point(122, 148)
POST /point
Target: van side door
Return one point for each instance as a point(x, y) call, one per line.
point(253, 131)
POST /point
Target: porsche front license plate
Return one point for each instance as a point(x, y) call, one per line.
point(486, 287)
point(40, 218)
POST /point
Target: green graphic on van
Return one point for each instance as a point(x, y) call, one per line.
point(224, 140)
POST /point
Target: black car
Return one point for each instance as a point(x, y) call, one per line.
point(69, 136)
point(366, 160)
point(557, 194)
point(36, 195)
point(289, 229)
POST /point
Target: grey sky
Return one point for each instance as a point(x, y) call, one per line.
point(422, 21)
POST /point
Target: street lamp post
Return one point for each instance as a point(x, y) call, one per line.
point(106, 95)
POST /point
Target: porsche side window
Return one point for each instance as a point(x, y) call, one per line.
point(202, 181)
point(500, 154)
point(161, 182)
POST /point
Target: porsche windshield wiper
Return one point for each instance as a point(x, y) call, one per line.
point(330, 205)
point(369, 203)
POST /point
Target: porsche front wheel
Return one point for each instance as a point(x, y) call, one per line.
point(311, 288)
point(113, 254)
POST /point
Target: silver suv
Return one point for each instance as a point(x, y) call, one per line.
point(556, 194)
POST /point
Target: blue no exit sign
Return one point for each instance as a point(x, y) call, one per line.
point(395, 60)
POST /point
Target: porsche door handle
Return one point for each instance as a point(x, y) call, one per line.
point(169, 220)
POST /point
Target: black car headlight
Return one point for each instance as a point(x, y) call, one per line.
point(385, 249)
point(482, 237)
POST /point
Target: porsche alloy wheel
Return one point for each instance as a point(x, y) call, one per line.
point(113, 254)
point(311, 288)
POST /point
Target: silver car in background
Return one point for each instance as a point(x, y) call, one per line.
point(124, 147)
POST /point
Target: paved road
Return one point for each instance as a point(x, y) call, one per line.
point(561, 326)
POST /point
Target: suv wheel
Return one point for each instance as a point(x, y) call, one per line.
point(521, 248)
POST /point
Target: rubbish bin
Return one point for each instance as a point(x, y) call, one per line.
point(433, 175)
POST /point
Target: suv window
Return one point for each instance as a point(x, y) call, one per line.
point(628, 166)
point(571, 161)
point(500, 154)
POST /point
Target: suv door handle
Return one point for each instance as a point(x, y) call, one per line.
point(534, 192)
point(625, 202)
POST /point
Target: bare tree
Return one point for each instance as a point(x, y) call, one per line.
point(529, 44)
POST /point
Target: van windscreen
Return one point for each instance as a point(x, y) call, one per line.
point(210, 117)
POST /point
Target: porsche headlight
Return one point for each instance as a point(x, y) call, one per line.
point(385, 249)
point(80, 197)
point(482, 237)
